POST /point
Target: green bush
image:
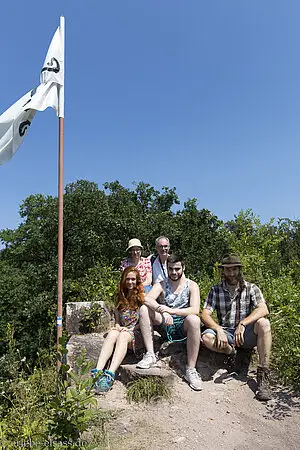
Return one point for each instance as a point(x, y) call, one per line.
point(26, 400)
point(47, 407)
point(283, 298)
point(99, 284)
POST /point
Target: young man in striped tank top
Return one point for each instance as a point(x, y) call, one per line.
point(179, 315)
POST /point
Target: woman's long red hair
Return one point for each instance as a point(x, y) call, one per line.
point(136, 299)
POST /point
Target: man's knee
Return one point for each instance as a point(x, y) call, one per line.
point(262, 326)
point(147, 315)
point(144, 312)
point(192, 322)
point(208, 340)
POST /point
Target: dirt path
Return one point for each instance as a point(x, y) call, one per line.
point(224, 415)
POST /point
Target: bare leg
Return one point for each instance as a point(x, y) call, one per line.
point(209, 341)
point(264, 341)
point(123, 340)
point(147, 317)
point(192, 329)
point(107, 348)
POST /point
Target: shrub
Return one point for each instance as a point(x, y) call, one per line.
point(99, 284)
point(52, 408)
point(284, 303)
point(27, 406)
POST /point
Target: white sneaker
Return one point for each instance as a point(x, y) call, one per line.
point(193, 378)
point(149, 360)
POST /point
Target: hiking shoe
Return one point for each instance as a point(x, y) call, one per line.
point(264, 392)
point(149, 360)
point(193, 378)
point(104, 382)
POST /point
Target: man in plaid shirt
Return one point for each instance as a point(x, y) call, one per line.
point(241, 310)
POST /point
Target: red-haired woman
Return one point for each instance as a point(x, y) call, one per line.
point(130, 297)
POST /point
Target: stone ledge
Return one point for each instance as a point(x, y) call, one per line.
point(129, 372)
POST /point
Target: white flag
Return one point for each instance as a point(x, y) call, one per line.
point(53, 68)
point(50, 93)
point(14, 123)
point(16, 120)
point(44, 96)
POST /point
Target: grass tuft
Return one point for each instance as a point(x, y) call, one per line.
point(147, 389)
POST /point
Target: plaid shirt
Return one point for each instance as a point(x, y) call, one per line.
point(230, 310)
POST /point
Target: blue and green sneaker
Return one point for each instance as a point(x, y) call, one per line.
point(104, 382)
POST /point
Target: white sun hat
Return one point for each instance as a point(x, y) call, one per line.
point(134, 243)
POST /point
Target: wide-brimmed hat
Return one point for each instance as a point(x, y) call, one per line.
point(134, 243)
point(231, 261)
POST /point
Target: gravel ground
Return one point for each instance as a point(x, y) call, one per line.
point(225, 414)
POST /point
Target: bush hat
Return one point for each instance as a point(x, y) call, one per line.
point(134, 243)
point(231, 261)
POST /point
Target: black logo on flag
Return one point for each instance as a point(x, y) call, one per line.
point(23, 127)
point(52, 66)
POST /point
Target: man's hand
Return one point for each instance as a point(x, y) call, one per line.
point(163, 308)
point(222, 339)
point(168, 319)
point(117, 327)
point(239, 335)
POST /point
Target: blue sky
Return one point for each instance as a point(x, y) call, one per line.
point(204, 96)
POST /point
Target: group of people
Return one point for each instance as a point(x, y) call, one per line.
point(155, 291)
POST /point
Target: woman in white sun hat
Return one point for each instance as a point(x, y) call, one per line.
point(135, 259)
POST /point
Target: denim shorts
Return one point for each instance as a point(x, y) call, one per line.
point(250, 338)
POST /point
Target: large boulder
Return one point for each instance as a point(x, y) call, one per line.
point(84, 317)
point(91, 343)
